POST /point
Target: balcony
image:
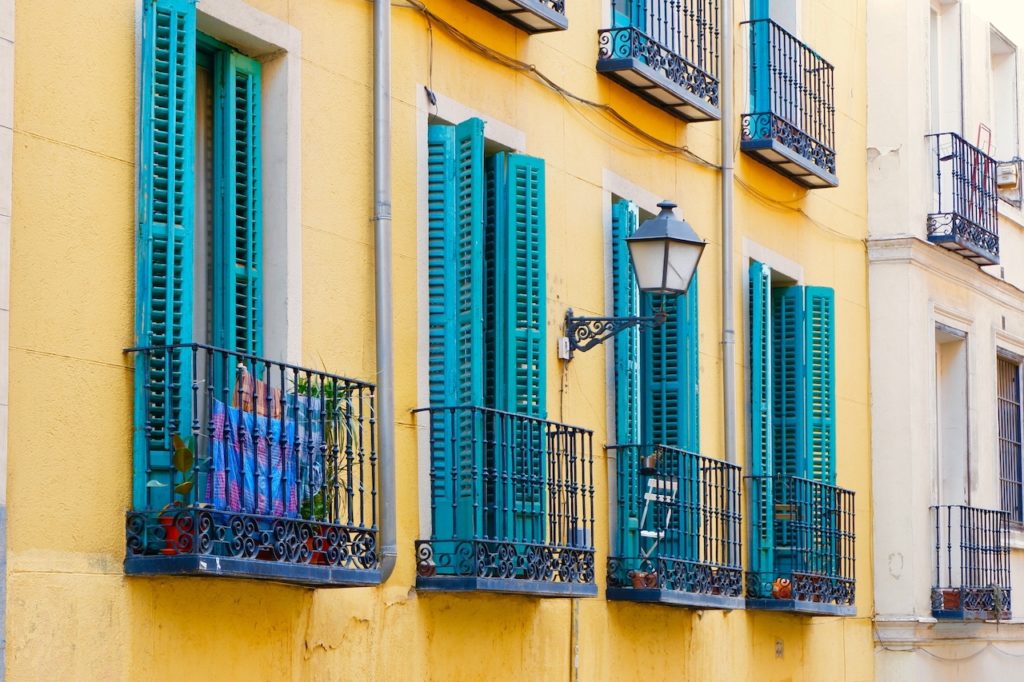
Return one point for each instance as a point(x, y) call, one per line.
point(965, 218)
point(532, 16)
point(792, 124)
point(678, 535)
point(801, 546)
point(250, 468)
point(972, 563)
point(512, 505)
point(665, 51)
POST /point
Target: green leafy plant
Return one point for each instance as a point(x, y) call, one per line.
point(182, 460)
point(337, 405)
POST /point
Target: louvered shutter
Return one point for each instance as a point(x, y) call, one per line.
point(788, 410)
point(455, 280)
point(819, 390)
point(820, 384)
point(670, 365)
point(761, 438)
point(238, 215)
point(517, 229)
point(165, 233)
point(626, 303)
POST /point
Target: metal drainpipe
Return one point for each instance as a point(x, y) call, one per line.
point(382, 279)
point(728, 332)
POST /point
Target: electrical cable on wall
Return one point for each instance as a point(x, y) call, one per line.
point(574, 100)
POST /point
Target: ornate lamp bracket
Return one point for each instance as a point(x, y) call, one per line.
point(583, 333)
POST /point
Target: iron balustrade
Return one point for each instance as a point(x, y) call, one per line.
point(965, 215)
point(251, 467)
point(671, 46)
point(801, 542)
point(678, 523)
point(792, 99)
point(972, 563)
point(512, 503)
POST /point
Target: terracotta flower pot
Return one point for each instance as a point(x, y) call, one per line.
point(638, 578)
point(171, 535)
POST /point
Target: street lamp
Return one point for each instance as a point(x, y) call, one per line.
point(664, 251)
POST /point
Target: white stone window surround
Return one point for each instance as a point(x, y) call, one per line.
point(614, 185)
point(448, 110)
point(277, 45)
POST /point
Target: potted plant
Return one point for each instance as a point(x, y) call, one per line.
point(182, 460)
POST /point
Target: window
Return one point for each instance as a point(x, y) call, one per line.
point(944, 82)
point(656, 371)
point(200, 236)
point(487, 330)
point(951, 414)
point(1011, 481)
point(1003, 65)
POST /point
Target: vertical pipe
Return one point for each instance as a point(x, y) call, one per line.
point(728, 332)
point(382, 281)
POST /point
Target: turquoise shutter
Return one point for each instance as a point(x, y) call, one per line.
point(761, 438)
point(819, 390)
point(517, 227)
point(760, 74)
point(788, 410)
point(626, 303)
point(820, 384)
point(670, 369)
point(238, 215)
point(455, 280)
point(164, 251)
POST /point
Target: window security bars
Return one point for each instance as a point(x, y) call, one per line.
point(1011, 482)
point(679, 523)
point(792, 98)
point(267, 467)
point(972, 563)
point(512, 503)
point(801, 541)
point(965, 217)
point(671, 47)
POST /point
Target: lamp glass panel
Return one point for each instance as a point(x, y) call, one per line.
point(648, 263)
point(682, 261)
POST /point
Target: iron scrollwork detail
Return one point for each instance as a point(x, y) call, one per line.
point(629, 42)
point(586, 332)
point(237, 535)
point(770, 126)
point(505, 560)
point(678, 575)
point(963, 231)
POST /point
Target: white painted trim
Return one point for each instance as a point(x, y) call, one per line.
point(278, 46)
point(451, 111)
point(495, 130)
point(777, 262)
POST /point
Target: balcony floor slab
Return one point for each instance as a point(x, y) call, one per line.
point(674, 598)
point(228, 567)
point(534, 588)
point(801, 607)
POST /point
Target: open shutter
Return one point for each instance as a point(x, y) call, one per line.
point(626, 303)
point(455, 279)
point(789, 416)
point(670, 367)
point(238, 216)
point(820, 384)
point(761, 437)
point(164, 250)
point(518, 233)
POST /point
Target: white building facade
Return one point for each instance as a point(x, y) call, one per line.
point(946, 288)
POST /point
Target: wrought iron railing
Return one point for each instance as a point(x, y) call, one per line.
point(678, 522)
point(676, 38)
point(972, 563)
point(965, 216)
point(512, 498)
point(251, 460)
point(801, 540)
point(792, 95)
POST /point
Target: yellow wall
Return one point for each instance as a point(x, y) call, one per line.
point(71, 612)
